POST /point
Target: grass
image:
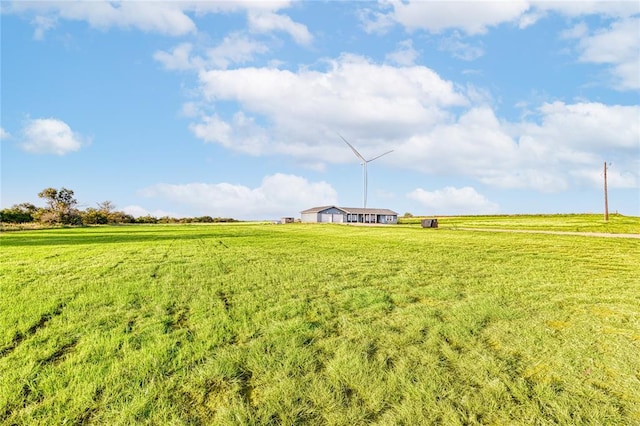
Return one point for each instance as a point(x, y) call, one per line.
point(310, 324)
point(617, 223)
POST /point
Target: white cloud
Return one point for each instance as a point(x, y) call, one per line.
point(165, 17)
point(460, 49)
point(50, 136)
point(137, 211)
point(526, 176)
point(376, 22)
point(588, 126)
point(179, 58)
point(474, 17)
point(571, 138)
point(471, 17)
point(190, 109)
point(616, 46)
point(594, 176)
point(451, 200)
point(405, 54)
point(267, 21)
point(546, 155)
point(42, 24)
point(433, 126)
point(4, 134)
point(236, 48)
point(577, 31)
point(278, 195)
point(241, 134)
point(306, 107)
point(473, 144)
point(613, 9)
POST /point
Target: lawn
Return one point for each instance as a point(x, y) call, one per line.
point(617, 223)
point(317, 324)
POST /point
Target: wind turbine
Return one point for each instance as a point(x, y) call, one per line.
point(364, 169)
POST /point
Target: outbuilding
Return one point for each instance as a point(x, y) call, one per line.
point(334, 214)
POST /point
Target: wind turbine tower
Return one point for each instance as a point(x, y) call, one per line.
point(364, 169)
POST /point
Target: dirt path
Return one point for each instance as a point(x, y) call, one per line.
point(532, 231)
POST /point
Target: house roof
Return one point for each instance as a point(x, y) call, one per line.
point(317, 209)
point(352, 210)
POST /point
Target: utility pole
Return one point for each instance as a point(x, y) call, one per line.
point(606, 200)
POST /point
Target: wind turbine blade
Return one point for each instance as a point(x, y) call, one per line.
point(375, 158)
point(353, 149)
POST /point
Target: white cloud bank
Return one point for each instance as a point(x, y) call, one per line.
point(615, 46)
point(451, 201)
point(50, 136)
point(477, 16)
point(473, 17)
point(278, 195)
point(304, 109)
point(164, 17)
point(433, 125)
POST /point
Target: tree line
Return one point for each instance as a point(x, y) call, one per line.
point(62, 209)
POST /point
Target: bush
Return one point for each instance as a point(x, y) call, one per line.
point(15, 216)
point(146, 219)
point(120, 217)
point(93, 216)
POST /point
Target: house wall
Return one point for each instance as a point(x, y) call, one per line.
point(388, 219)
point(309, 217)
point(330, 215)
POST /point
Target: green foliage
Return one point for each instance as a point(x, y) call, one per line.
point(117, 217)
point(59, 200)
point(93, 216)
point(19, 213)
point(312, 324)
point(61, 207)
point(147, 219)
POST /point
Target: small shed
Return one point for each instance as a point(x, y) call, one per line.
point(286, 220)
point(429, 223)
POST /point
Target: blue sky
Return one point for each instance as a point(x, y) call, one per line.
point(233, 108)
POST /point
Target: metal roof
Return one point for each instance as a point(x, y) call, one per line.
point(352, 210)
point(317, 209)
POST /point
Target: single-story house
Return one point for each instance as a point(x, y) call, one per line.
point(333, 214)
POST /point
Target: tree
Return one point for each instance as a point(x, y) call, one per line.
point(59, 201)
point(62, 206)
point(106, 206)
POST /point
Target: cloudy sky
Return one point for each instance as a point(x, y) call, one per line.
point(236, 108)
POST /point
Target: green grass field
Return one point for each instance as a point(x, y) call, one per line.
point(617, 224)
point(318, 324)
